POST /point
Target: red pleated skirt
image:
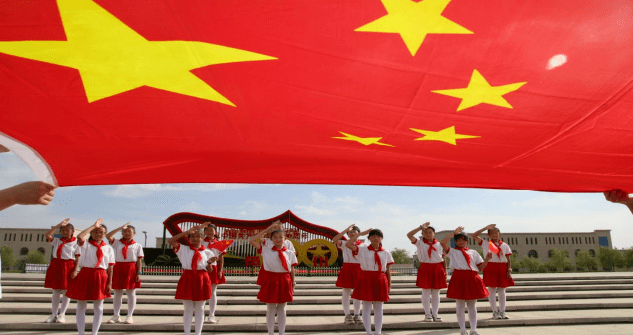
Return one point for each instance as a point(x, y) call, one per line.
point(495, 275)
point(261, 276)
point(194, 285)
point(215, 276)
point(90, 284)
point(466, 285)
point(124, 276)
point(371, 286)
point(348, 276)
point(431, 276)
point(58, 273)
point(276, 288)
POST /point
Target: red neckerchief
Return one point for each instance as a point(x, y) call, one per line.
point(282, 257)
point(354, 253)
point(61, 246)
point(99, 251)
point(498, 247)
point(196, 257)
point(466, 255)
point(206, 239)
point(376, 257)
point(126, 244)
point(431, 247)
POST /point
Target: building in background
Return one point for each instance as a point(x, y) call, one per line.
point(23, 240)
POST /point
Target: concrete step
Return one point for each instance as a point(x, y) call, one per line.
point(255, 324)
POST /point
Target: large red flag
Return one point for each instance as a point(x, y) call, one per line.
point(496, 93)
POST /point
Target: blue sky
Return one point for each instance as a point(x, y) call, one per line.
point(395, 210)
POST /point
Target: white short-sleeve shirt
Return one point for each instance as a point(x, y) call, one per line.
point(268, 243)
point(272, 261)
point(88, 257)
point(368, 261)
point(134, 251)
point(185, 255)
point(423, 251)
point(458, 262)
point(68, 250)
point(503, 255)
point(348, 254)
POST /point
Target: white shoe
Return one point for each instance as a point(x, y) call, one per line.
point(463, 332)
point(428, 318)
point(129, 320)
point(436, 318)
point(474, 332)
point(51, 318)
point(60, 319)
point(115, 319)
point(495, 315)
point(349, 320)
point(358, 319)
point(211, 319)
point(503, 315)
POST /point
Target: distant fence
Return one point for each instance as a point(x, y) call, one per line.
point(239, 271)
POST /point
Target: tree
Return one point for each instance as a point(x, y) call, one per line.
point(516, 264)
point(559, 260)
point(628, 258)
point(8, 257)
point(610, 258)
point(36, 257)
point(529, 263)
point(585, 261)
point(401, 256)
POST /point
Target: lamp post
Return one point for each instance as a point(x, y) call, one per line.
point(145, 245)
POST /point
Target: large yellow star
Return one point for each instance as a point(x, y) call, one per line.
point(479, 92)
point(112, 58)
point(445, 135)
point(362, 140)
point(414, 20)
point(318, 251)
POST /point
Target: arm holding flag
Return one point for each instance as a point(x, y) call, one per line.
point(411, 234)
point(29, 193)
point(619, 197)
point(110, 235)
point(477, 233)
point(49, 234)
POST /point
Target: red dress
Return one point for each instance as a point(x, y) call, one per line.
point(431, 276)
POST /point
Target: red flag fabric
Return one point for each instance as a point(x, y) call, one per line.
point(221, 246)
point(496, 94)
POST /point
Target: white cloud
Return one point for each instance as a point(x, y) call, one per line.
point(329, 206)
point(142, 190)
point(311, 209)
point(551, 200)
point(251, 208)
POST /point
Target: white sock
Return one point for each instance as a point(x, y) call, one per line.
point(472, 314)
point(502, 298)
point(65, 303)
point(199, 309)
point(213, 301)
point(97, 305)
point(356, 303)
point(492, 298)
point(435, 300)
point(367, 316)
point(117, 301)
point(426, 301)
point(187, 315)
point(131, 302)
point(271, 309)
point(378, 316)
point(347, 294)
point(56, 297)
point(82, 305)
point(460, 309)
point(281, 318)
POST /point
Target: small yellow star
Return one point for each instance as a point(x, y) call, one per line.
point(479, 92)
point(318, 251)
point(362, 140)
point(112, 58)
point(445, 135)
point(413, 21)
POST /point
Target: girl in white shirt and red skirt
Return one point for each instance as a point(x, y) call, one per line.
point(348, 275)
point(374, 283)
point(278, 285)
point(194, 285)
point(432, 272)
point(216, 275)
point(465, 286)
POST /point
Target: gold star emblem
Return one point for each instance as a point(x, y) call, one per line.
point(447, 135)
point(479, 92)
point(318, 251)
point(112, 58)
point(362, 140)
point(413, 21)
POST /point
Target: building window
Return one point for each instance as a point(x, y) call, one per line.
point(559, 241)
point(532, 254)
point(592, 253)
point(42, 250)
point(21, 237)
point(5, 237)
point(30, 237)
point(527, 241)
point(24, 251)
point(576, 252)
point(15, 237)
point(536, 240)
point(567, 238)
point(550, 253)
point(514, 252)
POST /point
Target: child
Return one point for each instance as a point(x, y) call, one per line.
point(465, 286)
point(498, 272)
point(217, 277)
point(277, 287)
point(374, 284)
point(432, 271)
point(194, 286)
point(94, 281)
point(266, 241)
point(127, 271)
point(347, 277)
point(61, 267)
